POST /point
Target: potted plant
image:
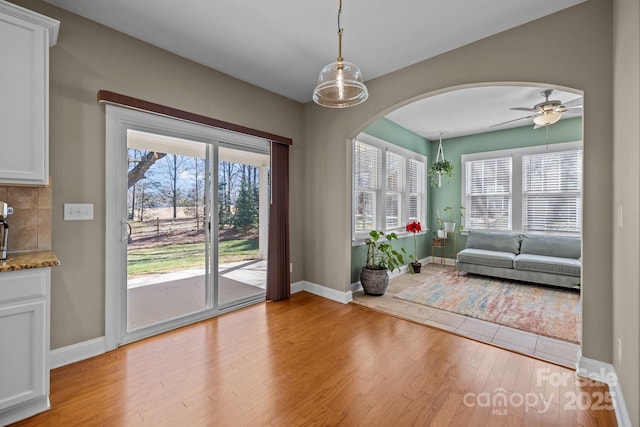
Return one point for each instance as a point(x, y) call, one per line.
point(414, 227)
point(438, 169)
point(452, 216)
point(381, 258)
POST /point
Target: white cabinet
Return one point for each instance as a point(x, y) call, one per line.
point(24, 343)
point(25, 38)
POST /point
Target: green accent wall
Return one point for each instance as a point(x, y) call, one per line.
point(449, 194)
point(389, 131)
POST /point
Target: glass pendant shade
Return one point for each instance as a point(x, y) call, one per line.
point(547, 118)
point(340, 85)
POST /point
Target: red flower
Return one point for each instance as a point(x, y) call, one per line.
point(414, 227)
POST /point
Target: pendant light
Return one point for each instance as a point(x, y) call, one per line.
point(340, 83)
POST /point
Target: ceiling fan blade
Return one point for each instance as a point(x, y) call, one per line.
point(574, 103)
point(510, 121)
point(523, 109)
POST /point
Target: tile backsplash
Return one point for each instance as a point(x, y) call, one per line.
point(30, 224)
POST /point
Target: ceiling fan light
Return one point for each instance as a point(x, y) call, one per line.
point(340, 85)
point(547, 118)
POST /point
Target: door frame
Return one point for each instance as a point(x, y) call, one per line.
point(118, 121)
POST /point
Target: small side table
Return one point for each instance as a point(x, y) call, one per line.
point(443, 247)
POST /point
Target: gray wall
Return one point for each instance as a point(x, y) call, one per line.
point(581, 59)
point(90, 57)
point(626, 176)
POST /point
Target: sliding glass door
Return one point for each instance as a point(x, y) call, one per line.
point(187, 221)
point(168, 243)
point(242, 225)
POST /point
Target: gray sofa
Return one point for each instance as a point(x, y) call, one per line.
point(549, 260)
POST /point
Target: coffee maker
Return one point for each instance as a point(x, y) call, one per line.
point(5, 210)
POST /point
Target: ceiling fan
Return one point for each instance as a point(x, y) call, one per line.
point(546, 113)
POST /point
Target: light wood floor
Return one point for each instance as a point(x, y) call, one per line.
point(311, 361)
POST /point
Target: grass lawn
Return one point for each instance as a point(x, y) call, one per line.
point(178, 257)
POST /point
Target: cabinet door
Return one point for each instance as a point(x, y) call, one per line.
point(22, 352)
point(24, 74)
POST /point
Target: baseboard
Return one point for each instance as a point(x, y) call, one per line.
point(447, 261)
point(323, 291)
point(76, 352)
point(605, 372)
point(297, 287)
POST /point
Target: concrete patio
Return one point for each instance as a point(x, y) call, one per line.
point(159, 297)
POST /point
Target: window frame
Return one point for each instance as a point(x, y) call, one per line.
point(385, 147)
point(517, 196)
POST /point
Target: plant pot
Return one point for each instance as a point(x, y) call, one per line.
point(437, 242)
point(442, 234)
point(416, 266)
point(374, 282)
point(449, 226)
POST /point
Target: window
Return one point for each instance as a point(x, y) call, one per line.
point(534, 189)
point(395, 186)
point(551, 191)
point(488, 195)
point(416, 190)
point(365, 184)
point(388, 186)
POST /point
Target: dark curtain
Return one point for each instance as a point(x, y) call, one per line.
point(278, 273)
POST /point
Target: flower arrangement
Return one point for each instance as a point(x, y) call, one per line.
point(414, 227)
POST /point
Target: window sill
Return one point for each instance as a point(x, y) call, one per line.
point(359, 241)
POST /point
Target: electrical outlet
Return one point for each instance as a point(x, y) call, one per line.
point(290, 267)
point(78, 211)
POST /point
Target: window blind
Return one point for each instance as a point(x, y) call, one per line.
point(552, 191)
point(365, 177)
point(488, 194)
point(416, 189)
point(395, 171)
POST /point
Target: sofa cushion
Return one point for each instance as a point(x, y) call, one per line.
point(487, 257)
point(548, 264)
point(494, 241)
point(553, 246)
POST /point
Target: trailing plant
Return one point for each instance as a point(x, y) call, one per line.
point(439, 169)
point(380, 251)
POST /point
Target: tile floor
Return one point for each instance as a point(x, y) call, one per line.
point(551, 349)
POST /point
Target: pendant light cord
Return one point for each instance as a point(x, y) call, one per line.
point(340, 30)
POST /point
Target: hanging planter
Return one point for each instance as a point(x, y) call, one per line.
point(440, 168)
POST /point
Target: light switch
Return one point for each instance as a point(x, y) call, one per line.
point(78, 211)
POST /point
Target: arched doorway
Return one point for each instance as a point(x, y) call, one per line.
point(480, 131)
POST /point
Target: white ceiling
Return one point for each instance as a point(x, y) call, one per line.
point(475, 110)
point(282, 46)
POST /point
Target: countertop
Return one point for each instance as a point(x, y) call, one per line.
point(24, 260)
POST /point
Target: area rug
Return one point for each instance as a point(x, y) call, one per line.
point(538, 309)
